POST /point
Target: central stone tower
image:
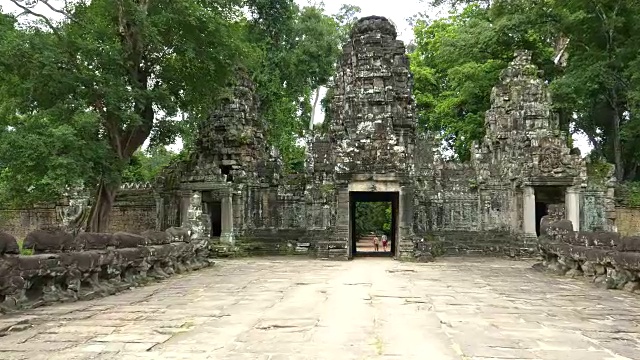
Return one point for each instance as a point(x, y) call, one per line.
point(367, 152)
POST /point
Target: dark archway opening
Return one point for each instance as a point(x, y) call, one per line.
point(215, 214)
point(541, 210)
point(226, 170)
point(373, 214)
point(547, 196)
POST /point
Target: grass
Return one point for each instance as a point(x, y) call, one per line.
point(379, 345)
point(24, 251)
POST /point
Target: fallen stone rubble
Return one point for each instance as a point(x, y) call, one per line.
point(608, 259)
point(63, 268)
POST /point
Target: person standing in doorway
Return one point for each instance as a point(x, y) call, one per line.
point(384, 242)
point(376, 243)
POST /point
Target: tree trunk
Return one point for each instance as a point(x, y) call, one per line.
point(100, 215)
point(313, 109)
point(617, 148)
point(617, 142)
point(633, 171)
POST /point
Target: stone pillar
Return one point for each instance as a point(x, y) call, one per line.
point(326, 217)
point(404, 227)
point(237, 204)
point(343, 221)
point(572, 207)
point(196, 224)
point(529, 211)
point(159, 212)
point(514, 208)
point(227, 218)
point(185, 202)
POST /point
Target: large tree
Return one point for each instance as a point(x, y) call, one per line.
point(598, 82)
point(127, 65)
point(84, 93)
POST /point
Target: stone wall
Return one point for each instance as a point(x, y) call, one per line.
point(134, 211)
point(628, 220)
point(607, 259)
point(20, 222)
point(64, 268)
point(278, 219)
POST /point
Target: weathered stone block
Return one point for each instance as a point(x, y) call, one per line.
point(49, 241)
point(628, 243)
point(126, 240)
point(156, 237)
point(8, 244)
point(96, 241)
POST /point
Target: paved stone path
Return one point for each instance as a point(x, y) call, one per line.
point(364, 309)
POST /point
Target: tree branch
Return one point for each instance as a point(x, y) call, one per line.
point(61, 12)
point(26, 10)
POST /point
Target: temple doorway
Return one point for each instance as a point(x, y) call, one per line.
point(215, 213)
point(373, 215)
point(547, 196)
point(542, 210)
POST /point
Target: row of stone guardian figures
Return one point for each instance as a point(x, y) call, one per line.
point(64, 267)
point(606, 258)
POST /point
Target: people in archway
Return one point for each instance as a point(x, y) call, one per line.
point(376, 243)
point(385, 241)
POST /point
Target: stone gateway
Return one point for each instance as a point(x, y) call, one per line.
point(371, 151)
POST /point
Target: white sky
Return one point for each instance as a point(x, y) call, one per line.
point(398, 11)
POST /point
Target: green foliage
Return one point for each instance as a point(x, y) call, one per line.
point(373, 217)
point(23, 250)
point(146, 165)
point(88, 91)
point(598, 84)
point(628, 194)
point(42, 155)
point(346, 17)
point(458, 59)
point(296, 50)
point(598, 171)
point(386, 226)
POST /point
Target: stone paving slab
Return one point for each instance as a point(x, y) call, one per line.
point(283, 308)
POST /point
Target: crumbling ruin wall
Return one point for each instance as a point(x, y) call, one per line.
point(452, 211)
point(251, 208)
point(279, 221)
point(464, 218)
point(372, 110)
point(479, 206)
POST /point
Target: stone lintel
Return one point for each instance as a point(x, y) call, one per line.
point(203, 186)
point(184, 193)
point(549, 181)
point(375, 186)
point(391, 177)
